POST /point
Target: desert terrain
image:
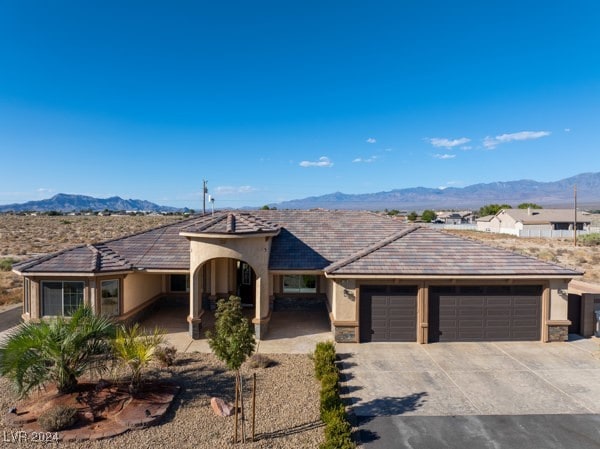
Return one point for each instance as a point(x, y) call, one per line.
point(24, 237)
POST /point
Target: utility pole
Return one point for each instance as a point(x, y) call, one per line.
point(575, 216)
point(204, 192)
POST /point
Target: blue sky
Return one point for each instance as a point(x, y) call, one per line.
point(277, 100)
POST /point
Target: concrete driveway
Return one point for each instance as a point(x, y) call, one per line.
point(485, 395)
point(449, 379)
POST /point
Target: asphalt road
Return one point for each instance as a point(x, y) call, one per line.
point(10, 318)
point(480, 432)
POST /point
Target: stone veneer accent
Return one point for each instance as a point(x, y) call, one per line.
point(558, 333)
point(345, 334)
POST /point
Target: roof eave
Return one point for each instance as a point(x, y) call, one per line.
point(449, 276)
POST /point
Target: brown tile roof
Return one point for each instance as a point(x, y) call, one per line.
point(233, 223)
point(340, 242)
point(425, 251)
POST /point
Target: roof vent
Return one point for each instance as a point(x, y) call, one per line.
point(230, 223)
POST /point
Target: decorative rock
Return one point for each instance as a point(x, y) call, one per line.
point(220, 407)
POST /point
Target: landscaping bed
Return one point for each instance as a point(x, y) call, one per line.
point(287, 407)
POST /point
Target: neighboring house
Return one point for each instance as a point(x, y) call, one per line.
point(455, 218)
point(381, 280)
point(533, 222)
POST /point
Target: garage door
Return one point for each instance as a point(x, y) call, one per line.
point(388, 313)
point(485, 313)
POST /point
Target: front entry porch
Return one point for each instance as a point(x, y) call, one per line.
point(290, 331)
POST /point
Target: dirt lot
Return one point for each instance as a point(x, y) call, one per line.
point(22, 237)
point(560, 251)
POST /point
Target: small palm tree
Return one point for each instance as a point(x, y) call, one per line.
point(59, 350)
point(135, 349)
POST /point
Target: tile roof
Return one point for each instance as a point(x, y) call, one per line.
point(233, 223)
point(425, 251)
point(339, 242)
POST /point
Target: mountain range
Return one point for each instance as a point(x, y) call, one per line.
point(74, 203)
point(547, 194)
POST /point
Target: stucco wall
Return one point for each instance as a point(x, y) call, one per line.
point(344, 300)
point(558, 303)
point(139, 288)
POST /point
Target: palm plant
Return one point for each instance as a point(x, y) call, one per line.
point(135, 349)
point(59, 350)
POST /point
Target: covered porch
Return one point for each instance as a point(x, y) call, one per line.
point(290, 331)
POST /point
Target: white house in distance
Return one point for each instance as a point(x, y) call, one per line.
point(534, 222)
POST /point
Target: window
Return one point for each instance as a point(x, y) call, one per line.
point(61, 297)
point(299, 283)
point(180, 283)
point(109, 305)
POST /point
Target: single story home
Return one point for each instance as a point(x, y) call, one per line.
point(454, 217)
point(533, 222)
point(380, 279)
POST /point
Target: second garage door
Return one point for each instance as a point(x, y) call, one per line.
point(388, 313)
point(485, 313)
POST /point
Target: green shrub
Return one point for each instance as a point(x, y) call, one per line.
point(333, 414)
point(324, 358)
point(338, 435)
point(165, 355)
point(7, 263)
point(590, 239)
point(57, 418)
point(260, 361)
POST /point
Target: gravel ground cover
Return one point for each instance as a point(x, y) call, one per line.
point(287, 408)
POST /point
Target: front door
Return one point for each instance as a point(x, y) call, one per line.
point(246, 284)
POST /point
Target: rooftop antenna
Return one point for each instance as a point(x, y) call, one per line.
point(211, 200)
point(204, 192)
point(575, 216)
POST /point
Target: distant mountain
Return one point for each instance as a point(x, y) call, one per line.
point(73, 203)
point(547, 194)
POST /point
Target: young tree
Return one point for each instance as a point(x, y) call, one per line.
point(232, 341)
point(135, 349)
point(412, 216)
point(58, 350)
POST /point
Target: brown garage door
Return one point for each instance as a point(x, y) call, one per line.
point(388, 313)
point(485, 313)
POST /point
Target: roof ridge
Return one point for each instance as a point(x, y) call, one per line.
point(370, 249)
point(210, 223)
point(116, 239)
point(96, 257)
point(105, 250)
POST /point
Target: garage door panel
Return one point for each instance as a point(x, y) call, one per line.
point(495, 318)
point(388, 313)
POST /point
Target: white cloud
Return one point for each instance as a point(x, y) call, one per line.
point(444, 156)
point(233, 190)
point(567, 130)
point(371, 140)
point(44, 190)
point(365, 160)
point(493, 142)
point(323, 161)
point(440, 142)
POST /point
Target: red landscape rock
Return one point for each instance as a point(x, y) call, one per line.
point(220, 407)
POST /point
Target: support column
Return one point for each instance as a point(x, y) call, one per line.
point(423, 314)
point(195, 317)
point(262, 311)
